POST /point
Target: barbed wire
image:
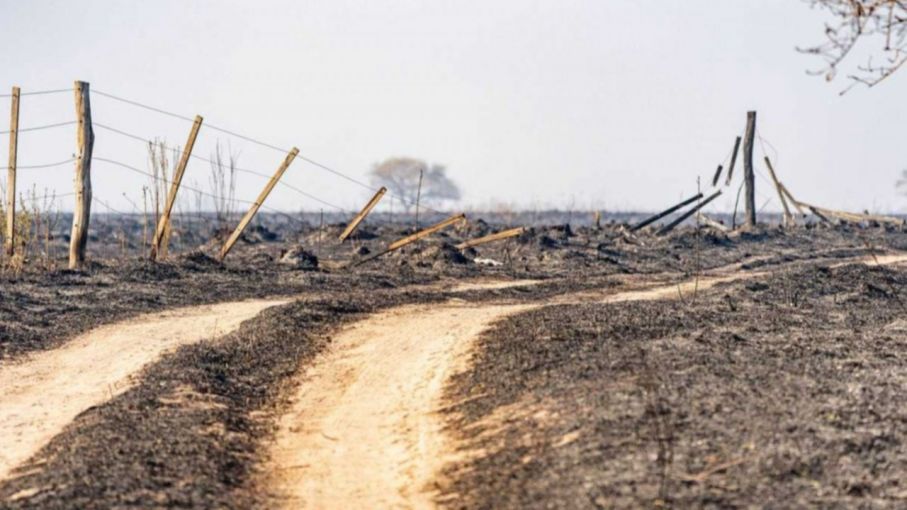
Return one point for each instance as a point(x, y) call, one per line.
point(263, 175)
point(45, 165)
point(38, 92)
point(39, 128)
point(95, 198)
point(158, 178)
point(262, 144)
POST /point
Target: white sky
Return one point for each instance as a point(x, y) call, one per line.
point(616, 104)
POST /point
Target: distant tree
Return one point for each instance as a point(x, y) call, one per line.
point(401, 177)
point(902, 183)
point(881, 21)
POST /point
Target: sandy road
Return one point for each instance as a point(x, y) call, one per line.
point(363, 429)
point(362, 432)
point(41, 395)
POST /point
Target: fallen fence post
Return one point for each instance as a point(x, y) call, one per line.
point(788, 217)
point(400, 243)
point(791, 198)
point(852, 217)
point(730, 168)
point(82, 213)
point(669, 227)
point(257, 204)
point(749, 176)
point(362, 214)
point(11, 174)
point(505, 234)
point(164, 222)
point(664, 213)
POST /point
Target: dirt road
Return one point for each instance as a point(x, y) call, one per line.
point(43, 394)
point(364, 431)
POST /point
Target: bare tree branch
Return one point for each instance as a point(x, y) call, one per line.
point(881, 22)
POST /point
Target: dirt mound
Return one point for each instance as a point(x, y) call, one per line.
point(199, 261)
point(443, 254)
point(258, 234)
point(143, 270)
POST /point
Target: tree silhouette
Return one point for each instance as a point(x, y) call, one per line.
point(401, 176)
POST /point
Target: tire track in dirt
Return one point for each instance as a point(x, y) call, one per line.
point(42, 394)
point(363, 430)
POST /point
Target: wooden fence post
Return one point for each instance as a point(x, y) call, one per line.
point(11, 174)
point(678, 221)
point(257, 204)
point(717, 176)
point(505, 234)
point(664, 213)
point(164, 222)
point(730, 168)
point(362, 214)
point(82, 213)
point(788, 217)
point(400, 243)
point(419, 196)
point(749, 177)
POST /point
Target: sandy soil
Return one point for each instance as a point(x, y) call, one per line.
point(363, 431)
point(43, 393)
point(491, 285)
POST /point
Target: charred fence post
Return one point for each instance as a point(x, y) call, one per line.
point(730, 168)
point(669, 227)
point(717, 176)
point(11, 174)
point(164, 222)
point(82, 212)
point(749, 177)
point(662, 214)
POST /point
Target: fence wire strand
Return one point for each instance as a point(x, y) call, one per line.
point(38, 92)
point(263, 175)
point(157, 178)
point(261, 143)
point(39, 128)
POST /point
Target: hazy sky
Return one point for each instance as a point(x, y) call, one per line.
point(616, 104)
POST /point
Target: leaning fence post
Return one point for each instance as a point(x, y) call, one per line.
point(164, 222)
point(400, 243)
point(506, 234)
point(258, 201)
point(82, 213)
point(788, 217)
point(662, 214)
point(749, 177)
point(11, 174)
point(362, 214)
point(667, 228)
point(730, 168)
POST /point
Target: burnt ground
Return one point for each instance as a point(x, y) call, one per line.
point(782, 392)
point(39, 308)
point(188, 434)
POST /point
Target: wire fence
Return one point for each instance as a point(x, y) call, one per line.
point(175, 150)
point(260, 143)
